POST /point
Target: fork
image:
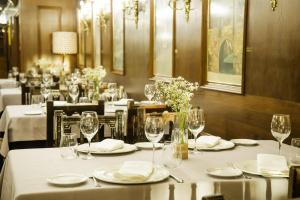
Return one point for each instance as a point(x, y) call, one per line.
point(96, 183)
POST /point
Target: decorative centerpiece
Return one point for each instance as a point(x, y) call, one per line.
point(94, 77)
point(177, 94)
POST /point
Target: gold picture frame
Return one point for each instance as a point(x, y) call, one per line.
point(224, 45)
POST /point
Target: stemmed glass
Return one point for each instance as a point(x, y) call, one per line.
point(74, 92)
point(47, 79)
point(22, 78)
point(196, 123)
point(149, 91)
point(89, 126)
point(154, 130)
point(45, 91)
point(280, 128)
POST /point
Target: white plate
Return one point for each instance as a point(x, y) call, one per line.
point(148, 145)
point(149, 102)
point(33, 112)
point(126, 148)
point(223, 145)
point(250, 167)
point(107, 175)
point(224, 172)
point(246, 142)
point(67, 179)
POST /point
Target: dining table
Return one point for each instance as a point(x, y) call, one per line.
point(25, 175)
point(8, 83)
point(10, 96)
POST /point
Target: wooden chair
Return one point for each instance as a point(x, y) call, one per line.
point(213, 197)
point(28, 90)
point(294, 182)
point(136, 119)
point(69, 110)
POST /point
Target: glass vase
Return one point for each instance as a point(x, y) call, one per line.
point(180, 134)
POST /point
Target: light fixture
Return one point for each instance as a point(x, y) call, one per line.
point(182, 5)
point(273, 4)
point(134, 7)
point(85, 14)
point(103, 14)
point(64, 43)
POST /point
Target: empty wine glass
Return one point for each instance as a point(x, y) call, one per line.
point(47, 79)
point(149, 91)
point(154, 130)
point(73, 92)
point(89, 126)
point(196, 123)
point(280, 128)
point(45, 91)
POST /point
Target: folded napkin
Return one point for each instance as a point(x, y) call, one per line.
point(134, 171)
point(123, 102)
point(109, 145)
point(272, 164)
point(207, 141)
point(60, 103)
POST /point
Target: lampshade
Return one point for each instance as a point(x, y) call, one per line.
point(64, 43)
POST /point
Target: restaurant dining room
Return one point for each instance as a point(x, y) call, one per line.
point(149, 100)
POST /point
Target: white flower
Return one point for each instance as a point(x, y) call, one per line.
point(94, 74)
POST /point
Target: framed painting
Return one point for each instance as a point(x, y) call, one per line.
point(118, 38)
point(224, 48)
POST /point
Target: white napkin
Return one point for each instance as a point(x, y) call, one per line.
point(60, 103)
point(134, 171)
point(33, 112)
point(109, 145)
point(207, 141)
point(272, 164)
point(123, 102)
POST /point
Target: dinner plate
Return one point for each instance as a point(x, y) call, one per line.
point(126, 148)
point(250, 167)
point(107, 175)
point(245, 142)
point(223, 145)
point(148, 145)
point(224, 172)
point(67, 179)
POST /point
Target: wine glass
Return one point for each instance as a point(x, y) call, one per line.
point(154, 130)
point(149, 91)
point(47, 79)
point(196, 123)
point(280, 128)
point(74, 92)
point(89, 126)
point(22, 78)
point(45, 91)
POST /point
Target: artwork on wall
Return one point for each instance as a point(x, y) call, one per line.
point(224, 38)
point(118, 35)
point(163, 39)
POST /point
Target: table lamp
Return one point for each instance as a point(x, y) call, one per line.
point(64, 43)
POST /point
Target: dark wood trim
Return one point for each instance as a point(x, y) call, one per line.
point(174, 46)
point(59, 9)
point(151, 39)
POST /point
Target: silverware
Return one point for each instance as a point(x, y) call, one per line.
point(179, 180)
point(243, 174)
point(96, 183)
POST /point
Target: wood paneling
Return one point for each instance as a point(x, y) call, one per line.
point(272, 73)
point(38, 19)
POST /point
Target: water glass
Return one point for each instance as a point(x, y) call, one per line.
point(68, 146)
point(295, 142)
point(280, 128)
point(171, 156)
point(83, 100)
point(45, 91)
point(149, 91)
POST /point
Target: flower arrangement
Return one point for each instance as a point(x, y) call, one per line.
point(177, 93)
point(94, 74)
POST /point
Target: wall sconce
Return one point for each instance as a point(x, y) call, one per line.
point(103, 16)
point(134, 7)
point(273, 4)
point(182, 5)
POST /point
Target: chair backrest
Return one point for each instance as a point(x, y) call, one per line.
point(213, 197)
point(28, 90)
point(294, 182)
point(68, 110)
point(136, 119)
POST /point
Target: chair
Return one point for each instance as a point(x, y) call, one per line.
point(136, 119)
point(68, 110)
point(213, 197)
point(294, 182)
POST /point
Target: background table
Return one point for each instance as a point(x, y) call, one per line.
point(10, 96)
point(8, 83)
point(25, 171)
point(17, 126)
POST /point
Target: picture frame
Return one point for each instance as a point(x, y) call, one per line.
point(223, 39)
point(118, 38)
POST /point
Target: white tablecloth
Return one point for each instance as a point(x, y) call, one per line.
point(25, 172)
point(10, 96)
point(8, 83)
point(20, 127)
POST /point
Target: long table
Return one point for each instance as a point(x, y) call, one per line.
point(8, 83)
point(10, 96)
point(24, 175)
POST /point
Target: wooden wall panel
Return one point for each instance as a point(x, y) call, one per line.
point(31, 15)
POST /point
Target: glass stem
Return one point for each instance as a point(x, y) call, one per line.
point(89, 149)
point(153, 149)
point(279, 143)
point(195, 147)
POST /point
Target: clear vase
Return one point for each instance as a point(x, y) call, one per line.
point(180, 134)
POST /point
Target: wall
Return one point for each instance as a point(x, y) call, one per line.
point(272, 68)
point(38, 19)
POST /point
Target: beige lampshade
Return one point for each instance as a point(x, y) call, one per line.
point(64, 42)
